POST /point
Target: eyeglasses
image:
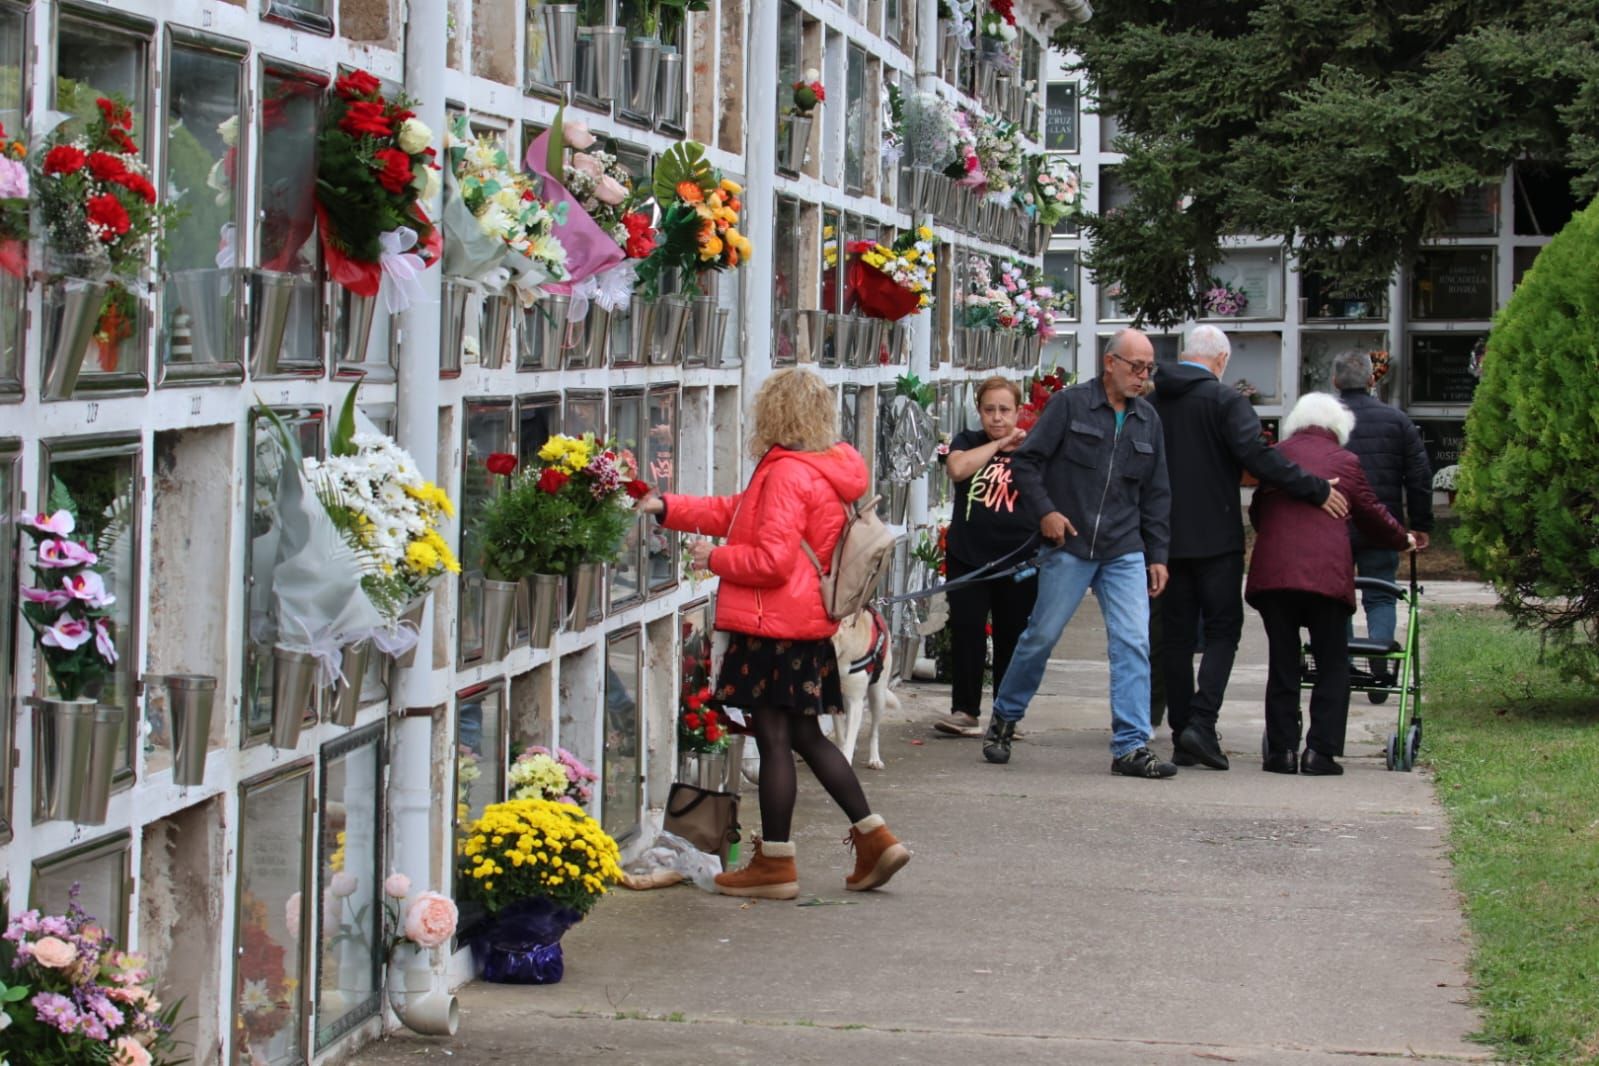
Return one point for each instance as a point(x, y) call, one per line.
point(1143, 370)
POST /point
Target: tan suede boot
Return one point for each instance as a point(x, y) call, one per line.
point(769, 875)
point(878, 856)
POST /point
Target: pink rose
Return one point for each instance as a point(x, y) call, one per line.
point(431, 920)
point(584, 163)
point(343, 884)
point(577, 135)
point(53, 953)
point(397, 886)
point(129, 1052)
point(610, 191)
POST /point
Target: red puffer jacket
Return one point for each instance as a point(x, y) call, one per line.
point(1302, 548)
point(769, 588)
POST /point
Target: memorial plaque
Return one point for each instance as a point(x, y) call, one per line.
point(1473, 213)
point(1444, 439)
point(1060, 125)
point(1453, 283)
point(1440, 367)
point(1320, 297)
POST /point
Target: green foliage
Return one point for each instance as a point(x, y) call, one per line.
point(1528, 495)
point(923, 392)
point(1339, 126)
point(684, 161)
point(1513, 746)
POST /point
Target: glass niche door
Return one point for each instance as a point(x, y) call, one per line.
point(621, 775)
point(659, 457)
point(488, 431)
point(350, 949)
point(15, 74)
point(627, 416)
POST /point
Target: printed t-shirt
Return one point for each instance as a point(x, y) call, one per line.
point(990, 520)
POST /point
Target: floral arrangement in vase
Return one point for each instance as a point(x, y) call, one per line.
point(72, 997)
point(891, 281)
point(1034, 297)
point(1053, 192)
point(539, 773)
point(986, 304)
point(1379, 365)
point(699, 728)
point(698, 232)
point(1040, 387)
point(958, 17)
point(808, 93)
point(428, 921)
point(506, 208)
point(923, 132)
point(375, 164)
point(932, 547)
point(14, 231)
point(66, 607)
point(1224, 300)
point(999, 21)
point(1000, 154)
point(602, 187)
point(573, 505)
point(537, 848)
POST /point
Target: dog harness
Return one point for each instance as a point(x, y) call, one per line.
point(872, 661)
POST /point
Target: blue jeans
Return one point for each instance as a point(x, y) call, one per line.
point(1122, 589)
point(1381, 615)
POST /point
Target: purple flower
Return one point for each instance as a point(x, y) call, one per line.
point(54, 925)
point(104, 641)
point(56, 1010)
point(13, 179)
point(55, 599)
point(104, 1009)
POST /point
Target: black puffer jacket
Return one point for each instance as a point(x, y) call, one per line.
point(1390, 451)
point(1211, 434)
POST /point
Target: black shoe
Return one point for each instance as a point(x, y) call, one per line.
point(1179, 757)
point(1200, 741)
point(1280, 762)
point(996, 742)
point(1318, 765)
point(1141, 762)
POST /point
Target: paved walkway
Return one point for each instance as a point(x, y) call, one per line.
point(1053, 914)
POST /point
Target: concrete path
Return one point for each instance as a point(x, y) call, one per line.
point(1053, 914)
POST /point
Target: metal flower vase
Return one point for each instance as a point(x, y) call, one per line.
point(457, 298)
point(294, 675)
point(271, 299)
point(76, 319)
point(583, 591)
point(669, 88)
point(703, 312)
point(63, 735)
point(591, 353)
point(559, 22)
point(105, 755)
point(666, 342)
point(499, 614)
point(641, 329)
point(347, 690)
point(191, 699)
point(921, 189)
point(906, 649)
point(544, 608)
point(715, 353)
point(950, 53)
point(413, 615)
point(530, 340)
point(899, 499)
point(605, 57)
point(796, 143)
point(359, 314)
point(643, 66)
point(552, 329)
point(703, 769)
point(494, 329)
point(207, 297)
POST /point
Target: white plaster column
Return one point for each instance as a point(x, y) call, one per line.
point(760, 155)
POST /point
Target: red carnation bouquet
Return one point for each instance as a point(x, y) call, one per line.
point(100, 209)
point(1039, 390)
point(375, 163)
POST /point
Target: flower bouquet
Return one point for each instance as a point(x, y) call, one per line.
point(14, 231)
point(602, 187)
point(698, 230)
point(999, 149)
point(1037, 303)
point(73, 998)
point(1224, 300)
point(1039, 389)
point(998, 23)
point(1053, 193)
point(1379, 365)
point(67, 606)
point(923, 132)
point(892, 281)
point(931, 549)
point(374, 167)
point(539, 773)
point(808, 93)
point(700, 729)
point(537, 867)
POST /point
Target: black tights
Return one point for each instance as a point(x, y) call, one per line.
point(779, 735)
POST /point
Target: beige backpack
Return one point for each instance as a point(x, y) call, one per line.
point(864, 551)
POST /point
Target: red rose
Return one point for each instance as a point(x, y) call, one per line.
point(691, 720)
point(64, 159)
point(713, 733)
point(366, 119)
point(395, 174)
point(637, 489)
point(107, 214)
point(122, 141)
point(694, 703)
point(551, 480)
point(138, 185)
point(710, 715)
point(357, 84)
point(501, 463)
point(640, 235)
point(105, 166)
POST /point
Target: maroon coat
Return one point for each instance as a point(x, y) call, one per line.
point(1300, 547)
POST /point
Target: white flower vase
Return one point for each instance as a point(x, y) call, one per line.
point(416, 993)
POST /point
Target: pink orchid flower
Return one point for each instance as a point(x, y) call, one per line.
point(64, 553)
point(59, 523)
point(55, 599)
point(88, 587)
point(67, 634)
point(104, 643)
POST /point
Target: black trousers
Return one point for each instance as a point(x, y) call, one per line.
point(1285, 614)
point(1210, 588)
point(971, 606)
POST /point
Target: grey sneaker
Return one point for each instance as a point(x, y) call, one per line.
point(1141, 762)
point(959, 725)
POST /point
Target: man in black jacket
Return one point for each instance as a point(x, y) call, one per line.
point(1211, 435)
point(1395, 461)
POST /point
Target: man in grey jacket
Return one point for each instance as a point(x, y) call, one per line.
point(1094, 470)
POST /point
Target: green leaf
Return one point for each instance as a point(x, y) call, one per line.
point(555, 157)
point(344, 429)
point(684, 161)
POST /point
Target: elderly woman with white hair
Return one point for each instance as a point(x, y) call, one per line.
point(1302, 576)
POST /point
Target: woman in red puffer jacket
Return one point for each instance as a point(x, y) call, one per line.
point(779, 665)
point(1302, 575)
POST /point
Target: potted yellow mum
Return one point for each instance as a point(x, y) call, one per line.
point(537, 867)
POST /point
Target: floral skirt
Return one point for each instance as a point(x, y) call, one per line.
point(797, 676)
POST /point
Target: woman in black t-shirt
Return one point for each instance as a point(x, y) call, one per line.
point(990, 522)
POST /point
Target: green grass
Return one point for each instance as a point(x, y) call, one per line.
point(1516, 750)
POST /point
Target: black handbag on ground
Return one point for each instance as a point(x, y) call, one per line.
point(705, 818)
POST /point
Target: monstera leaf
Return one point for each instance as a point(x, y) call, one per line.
point(682, 162)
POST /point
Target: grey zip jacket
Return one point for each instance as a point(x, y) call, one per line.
point(1112, 487)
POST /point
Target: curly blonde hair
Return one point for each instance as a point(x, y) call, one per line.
point(795, 409)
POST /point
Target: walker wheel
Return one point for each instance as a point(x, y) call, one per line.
point(1412, 745)
point(1393, 751)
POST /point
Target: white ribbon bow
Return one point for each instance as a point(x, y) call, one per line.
point(614, 287)
point(402, 267)
point(227, 252)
